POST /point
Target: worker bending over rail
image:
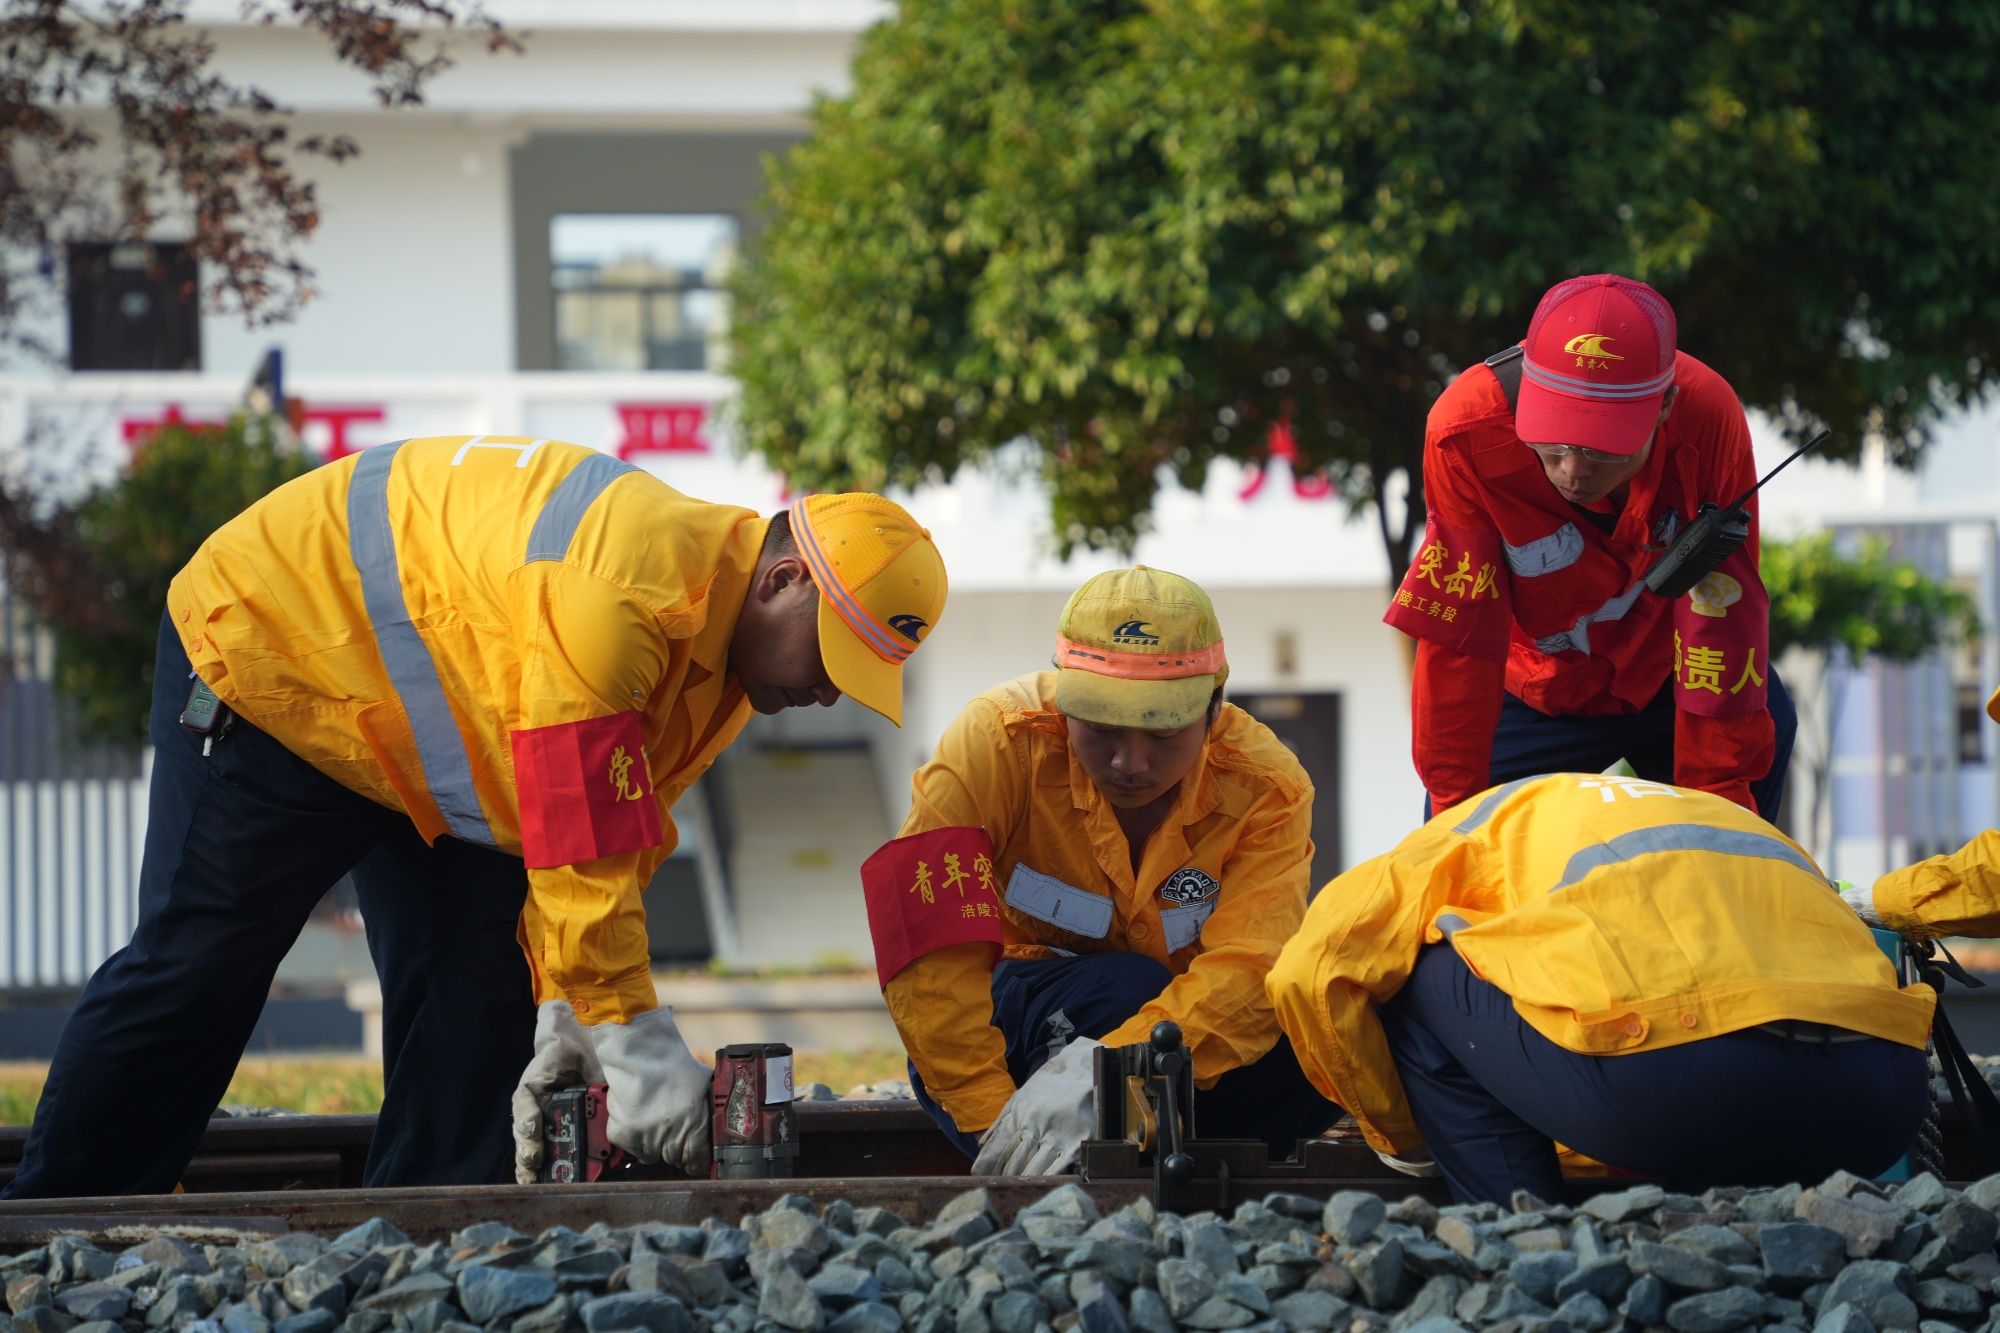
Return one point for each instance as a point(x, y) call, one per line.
point(1132, 850)
point(1647, 974)
point(476, 672)
point(1555, 475)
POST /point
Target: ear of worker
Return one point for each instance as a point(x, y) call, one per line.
point(531, 646)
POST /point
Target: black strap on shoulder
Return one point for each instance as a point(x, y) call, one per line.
point(1506, 367)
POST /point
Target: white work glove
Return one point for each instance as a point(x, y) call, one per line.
point(1424, 1170)
point(564, 1058)
point(657, 1094)
point(1046, 1120)
point(1862, 901)
point(658, 1099)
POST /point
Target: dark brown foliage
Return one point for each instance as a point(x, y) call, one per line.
point(113, 124)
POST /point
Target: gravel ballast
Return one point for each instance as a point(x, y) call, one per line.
point(1845, 1256)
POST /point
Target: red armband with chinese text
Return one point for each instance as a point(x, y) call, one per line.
point(1722, 642)
point(927, 892)
point(584, 791)
point(1455, 593)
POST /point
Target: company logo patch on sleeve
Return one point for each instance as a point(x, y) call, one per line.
point(584, 791)
point(929, 891)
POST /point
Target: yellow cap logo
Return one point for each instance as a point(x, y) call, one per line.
point(1591, 344)
point(1588, 348)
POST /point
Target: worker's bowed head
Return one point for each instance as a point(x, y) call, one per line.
point(873, 583)
point(1139, 662)
point(1139, 648)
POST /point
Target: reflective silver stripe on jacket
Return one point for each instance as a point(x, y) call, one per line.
point(1484, 810)
point(555, 527)
point(1046, 898)
point(412, 670)
point(1545, 555)
point(1577, 636)
point(1683, 838)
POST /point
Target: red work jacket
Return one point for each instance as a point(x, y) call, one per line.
point(1516, 588)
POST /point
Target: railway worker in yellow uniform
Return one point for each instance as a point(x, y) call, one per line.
point(1651, 975)
point(1954, 894)
point(1130, 849)
point(476, 672)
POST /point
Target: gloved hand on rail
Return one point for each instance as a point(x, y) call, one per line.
point(658, 1101)
point(1862, 900)
point(657, 1093)
point(1046, 1120)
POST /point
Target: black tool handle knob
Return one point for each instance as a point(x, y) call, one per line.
point(1166, 1037)
point(1177, 1169)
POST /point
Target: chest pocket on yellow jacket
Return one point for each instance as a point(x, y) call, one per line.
point(1046, 898)
point(1193, 893)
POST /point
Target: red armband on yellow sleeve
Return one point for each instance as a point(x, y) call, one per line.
point(927, 892)
point(584, 791)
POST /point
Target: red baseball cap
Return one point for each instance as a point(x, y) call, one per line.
point(1600, 357)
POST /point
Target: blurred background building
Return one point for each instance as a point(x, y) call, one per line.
point(539, 250)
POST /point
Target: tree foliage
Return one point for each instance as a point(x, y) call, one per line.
point(1851, 607)
point(1137, 234)
point(96, 569)
point(114, 123)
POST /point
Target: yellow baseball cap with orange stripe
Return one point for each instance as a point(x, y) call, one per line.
point(881, 588)
point(1141, 648)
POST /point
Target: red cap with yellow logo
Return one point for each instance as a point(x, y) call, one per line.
point(881, 590)
point(1600, 358)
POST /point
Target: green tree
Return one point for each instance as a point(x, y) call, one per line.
point(96, 569)
point(1138, 234)
point(1842, 609)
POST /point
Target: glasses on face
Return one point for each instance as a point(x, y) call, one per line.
point(1556, 452)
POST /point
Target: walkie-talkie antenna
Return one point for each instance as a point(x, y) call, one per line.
point(1824, 434)
point(1712, 538)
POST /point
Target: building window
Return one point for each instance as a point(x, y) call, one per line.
point(641, 291)
point(133, 307)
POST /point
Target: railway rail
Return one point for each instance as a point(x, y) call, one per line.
point(266, 1176)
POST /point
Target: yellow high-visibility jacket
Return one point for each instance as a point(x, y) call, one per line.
point(408, 619)
point(1221, 886)
point(1620, 915)
point(1954, 894)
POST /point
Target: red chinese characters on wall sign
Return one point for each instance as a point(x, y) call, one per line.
point(662, 428)
point(337, 420)
point(136, 429)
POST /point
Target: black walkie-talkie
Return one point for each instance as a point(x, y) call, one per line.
point(1712, 538)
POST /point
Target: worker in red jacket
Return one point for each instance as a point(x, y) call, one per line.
point(1555, 475)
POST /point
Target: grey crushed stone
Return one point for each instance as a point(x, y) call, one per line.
point(1841, 1256)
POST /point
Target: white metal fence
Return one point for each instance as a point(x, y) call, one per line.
point(72, 825)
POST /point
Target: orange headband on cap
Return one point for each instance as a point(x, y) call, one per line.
point(1138, 666)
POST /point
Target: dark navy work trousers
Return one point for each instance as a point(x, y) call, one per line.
point(241, 843)
point(1040, 1005)
point(1493, 1097)
point(1528, 743)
